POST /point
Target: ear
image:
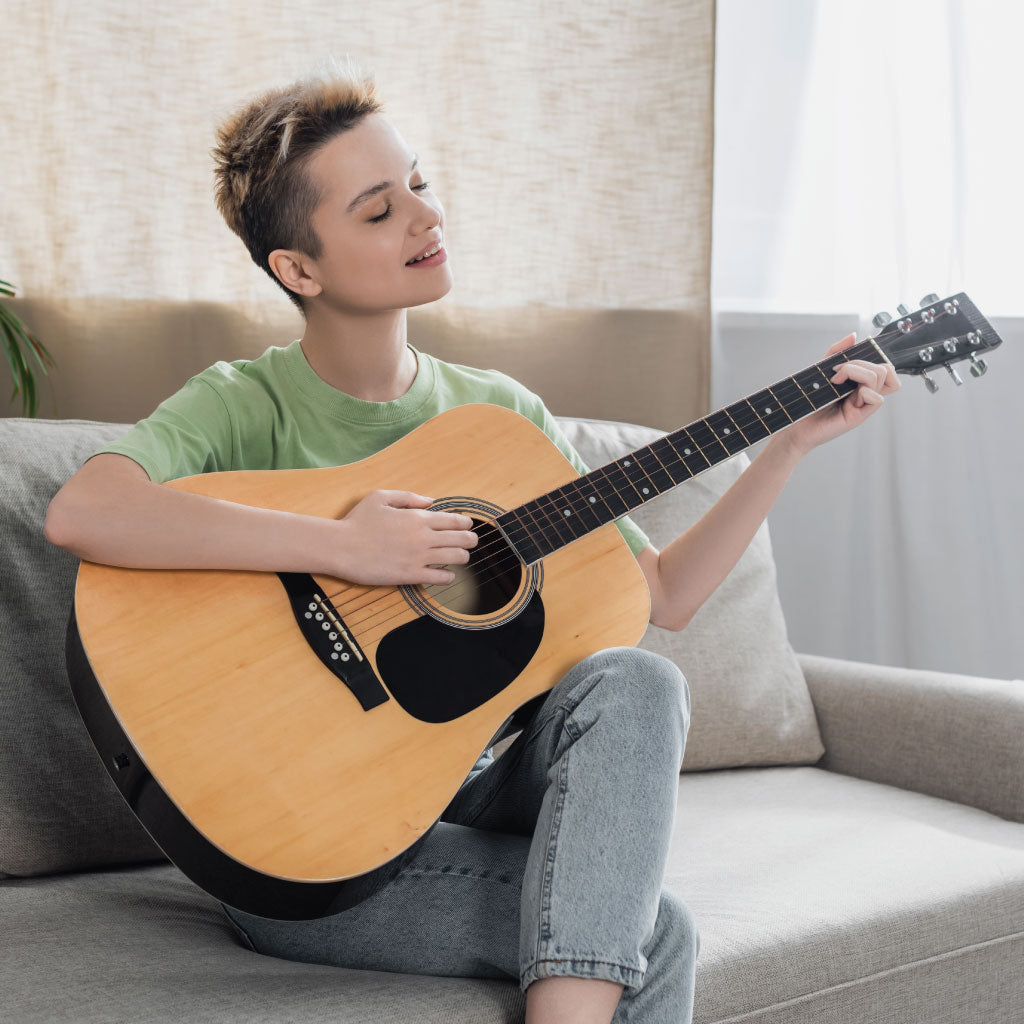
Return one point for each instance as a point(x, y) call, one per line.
point(289, 267)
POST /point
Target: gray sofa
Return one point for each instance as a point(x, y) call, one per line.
point(850, 837)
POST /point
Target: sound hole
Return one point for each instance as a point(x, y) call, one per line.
point(487, 582)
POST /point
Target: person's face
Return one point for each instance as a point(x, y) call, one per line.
point(368, 240)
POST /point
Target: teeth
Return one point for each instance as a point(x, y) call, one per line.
point(428, 253)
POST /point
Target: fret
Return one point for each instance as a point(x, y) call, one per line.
point(554, 523)
point(610, 493)
point(561, 510)
point(770, 410)
point(655, 471)
point(669, 458)
point(746, 419)
point(788, 392)
point(571, 495)
point(816, 386)
point(637, 478)
point(725, 430)
point(707, 441)
point(689, 451)
point(594, 497)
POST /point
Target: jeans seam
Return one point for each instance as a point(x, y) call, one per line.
point(549, 858)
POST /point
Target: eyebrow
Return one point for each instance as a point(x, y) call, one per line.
point(376, 189)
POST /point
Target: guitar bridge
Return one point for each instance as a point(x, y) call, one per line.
point(330, 640)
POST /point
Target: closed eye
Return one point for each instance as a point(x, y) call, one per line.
point(387, 212)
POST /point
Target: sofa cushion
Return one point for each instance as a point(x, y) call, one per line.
point(59, 808)
point(750, 703)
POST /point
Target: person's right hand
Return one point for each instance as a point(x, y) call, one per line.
point(392, 537)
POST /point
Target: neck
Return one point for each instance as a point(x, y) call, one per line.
point(563, 515)
point(366, 357)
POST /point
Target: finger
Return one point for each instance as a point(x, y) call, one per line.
point(892, 379)
point(450, 556)
point(449, 521)
point(859, 370)
point(867, 396)
point(463, 538)
point(405, 499)
point(842, 343)
point(431, 574)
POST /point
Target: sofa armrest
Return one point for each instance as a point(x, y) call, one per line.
point(953, 736)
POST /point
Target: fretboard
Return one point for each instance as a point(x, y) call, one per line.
point(545, 524)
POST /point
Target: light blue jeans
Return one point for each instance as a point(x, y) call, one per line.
point(548, 861)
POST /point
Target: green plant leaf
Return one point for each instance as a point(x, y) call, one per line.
point(22, 375)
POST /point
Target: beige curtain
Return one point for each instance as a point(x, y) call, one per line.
point(571, 145)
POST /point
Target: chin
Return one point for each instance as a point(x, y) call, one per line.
point(433, 294)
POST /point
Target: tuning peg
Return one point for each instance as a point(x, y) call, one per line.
point(929, 300)
point(881, 319)
point(953, 373)
point(978, 366)
point(929, 383)
point(902, 310)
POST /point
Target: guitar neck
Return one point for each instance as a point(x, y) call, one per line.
point(549, 522)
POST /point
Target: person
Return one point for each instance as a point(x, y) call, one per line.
point(547, 866)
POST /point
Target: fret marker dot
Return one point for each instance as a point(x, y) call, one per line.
point(625, 462)
point(725, 431)
point(646, 491)
point(593, 501)
point(686, 451)
point(767, 408)
point(566, 512)
point(816, 385)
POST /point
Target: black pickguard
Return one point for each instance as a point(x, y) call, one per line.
point(438, 672)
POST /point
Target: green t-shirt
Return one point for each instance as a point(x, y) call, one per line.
point(274, 412)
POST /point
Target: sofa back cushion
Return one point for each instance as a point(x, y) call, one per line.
point(749, 702)
point(59, 808)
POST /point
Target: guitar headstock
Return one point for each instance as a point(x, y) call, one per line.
point(941, 332)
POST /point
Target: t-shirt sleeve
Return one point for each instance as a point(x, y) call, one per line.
point(187, 433)
point(533, 408)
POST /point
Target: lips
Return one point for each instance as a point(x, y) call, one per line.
point(424, 251)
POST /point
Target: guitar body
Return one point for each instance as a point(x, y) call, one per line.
point(288, 739)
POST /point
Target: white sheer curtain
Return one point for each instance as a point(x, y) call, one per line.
point(867, 154)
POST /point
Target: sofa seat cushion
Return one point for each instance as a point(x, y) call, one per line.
point(822, 897)
point(143, 944)
point(819, 897)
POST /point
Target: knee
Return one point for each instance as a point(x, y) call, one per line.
point(651, 680)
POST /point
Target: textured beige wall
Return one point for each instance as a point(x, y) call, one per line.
point(571, 145)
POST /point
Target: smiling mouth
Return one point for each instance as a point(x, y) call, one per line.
point(430, 252)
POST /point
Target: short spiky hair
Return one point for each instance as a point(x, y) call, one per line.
point(262, 185)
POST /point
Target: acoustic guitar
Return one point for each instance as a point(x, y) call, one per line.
point(288, 739)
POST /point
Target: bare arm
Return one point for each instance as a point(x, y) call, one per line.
point(683, 576)
point(111, 512)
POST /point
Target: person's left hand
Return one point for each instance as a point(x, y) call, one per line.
point(876, 381)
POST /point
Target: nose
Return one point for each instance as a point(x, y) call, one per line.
point(430, 213)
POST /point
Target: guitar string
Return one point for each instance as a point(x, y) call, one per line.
point(796, 397)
